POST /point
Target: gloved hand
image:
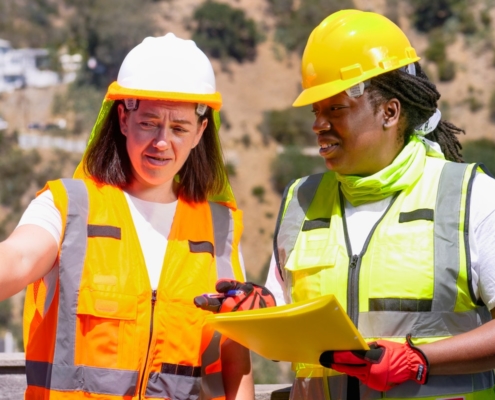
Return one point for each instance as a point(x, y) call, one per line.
point(241, 296)
point(236, 296)
point(385, 365)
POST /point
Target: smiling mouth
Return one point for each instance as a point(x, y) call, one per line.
point(327, 146)
point(158, 158)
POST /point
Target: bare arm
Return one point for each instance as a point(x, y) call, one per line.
point(25, 256)
point(469, 352)
point(236, 369)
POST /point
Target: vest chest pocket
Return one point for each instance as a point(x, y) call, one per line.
point(312, 249)
point(105, 327)
point(311, 267)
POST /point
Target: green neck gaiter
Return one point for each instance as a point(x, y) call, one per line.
point(406, 168)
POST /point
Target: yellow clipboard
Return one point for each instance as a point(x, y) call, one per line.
point(297, 332)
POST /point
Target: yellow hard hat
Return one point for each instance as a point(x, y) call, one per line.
point(349, 47)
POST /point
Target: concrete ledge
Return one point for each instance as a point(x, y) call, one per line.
point(13, 381)
point(11, 359)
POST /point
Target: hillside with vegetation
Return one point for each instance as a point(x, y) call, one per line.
point(255, 47)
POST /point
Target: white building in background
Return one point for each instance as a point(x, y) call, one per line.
point(31, 68)
point(7, 343)
point(71, 63)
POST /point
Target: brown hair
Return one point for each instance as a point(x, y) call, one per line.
point(418, 97)
point(202, 175)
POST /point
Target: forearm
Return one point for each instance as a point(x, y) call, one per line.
point(11, 281)
point(470, 352)
point(236, 370)
point(27, 255)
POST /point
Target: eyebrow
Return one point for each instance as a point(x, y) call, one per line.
point(182, 121)
point(177, 121)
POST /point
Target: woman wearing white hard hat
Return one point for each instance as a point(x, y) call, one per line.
point(114, 259)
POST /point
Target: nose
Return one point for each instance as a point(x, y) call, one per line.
point(161, 142)
point(321, 125)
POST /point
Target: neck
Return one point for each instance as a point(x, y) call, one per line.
point(165, 193)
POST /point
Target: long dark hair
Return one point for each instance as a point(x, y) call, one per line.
point(418, 97)
point(203, 174)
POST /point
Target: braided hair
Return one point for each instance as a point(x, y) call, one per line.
point(418, 97)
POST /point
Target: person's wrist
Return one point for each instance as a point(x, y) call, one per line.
point(419, 364)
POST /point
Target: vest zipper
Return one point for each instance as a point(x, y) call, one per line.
point(353, 287)
point(355, 261)
point(153, 301)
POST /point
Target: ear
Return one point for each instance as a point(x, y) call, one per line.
point(123, 119)
point(391, 113)
point(199, 134)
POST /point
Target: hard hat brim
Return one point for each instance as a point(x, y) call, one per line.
point(118, 92)
point(324, 91)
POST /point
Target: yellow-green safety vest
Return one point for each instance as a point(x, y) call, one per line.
point(413, 274)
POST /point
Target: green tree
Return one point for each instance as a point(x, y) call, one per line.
point(481, 150)
point(431, 14)
point(16, 172)
point(259, 192)
point(294, 26)
point(289, 127)
point(5, 313)
point(437, 44)
point(29, 23)
point(225, 32)
point(292, 164)
point(446, 70)
point(491, 107)
point(22, 172)
point(106, 31)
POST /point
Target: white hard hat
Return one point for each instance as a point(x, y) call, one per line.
point(166, 68)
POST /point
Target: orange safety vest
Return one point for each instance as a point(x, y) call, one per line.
point(94, 328)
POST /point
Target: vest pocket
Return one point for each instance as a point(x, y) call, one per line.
point(316, 254)
point(310, 268)
point(105, 320)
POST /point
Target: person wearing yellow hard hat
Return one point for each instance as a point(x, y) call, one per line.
point(114, 258)
point(399, 229)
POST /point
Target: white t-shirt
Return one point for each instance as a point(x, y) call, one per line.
point(152, 221)
point(360, 220)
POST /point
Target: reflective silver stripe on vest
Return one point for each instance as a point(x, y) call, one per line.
point(177, 387)
point(63, 374)
point(212, 384)
point(81, 378)
point(50, 280)
point(388, 324)
point(72, 254)
point(441, 385)
point(446, 236)
point(223, 228)
point(295, 214)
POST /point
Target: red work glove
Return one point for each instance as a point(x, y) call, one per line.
point(385, 365)
point(241, 296)
point(235, 296)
